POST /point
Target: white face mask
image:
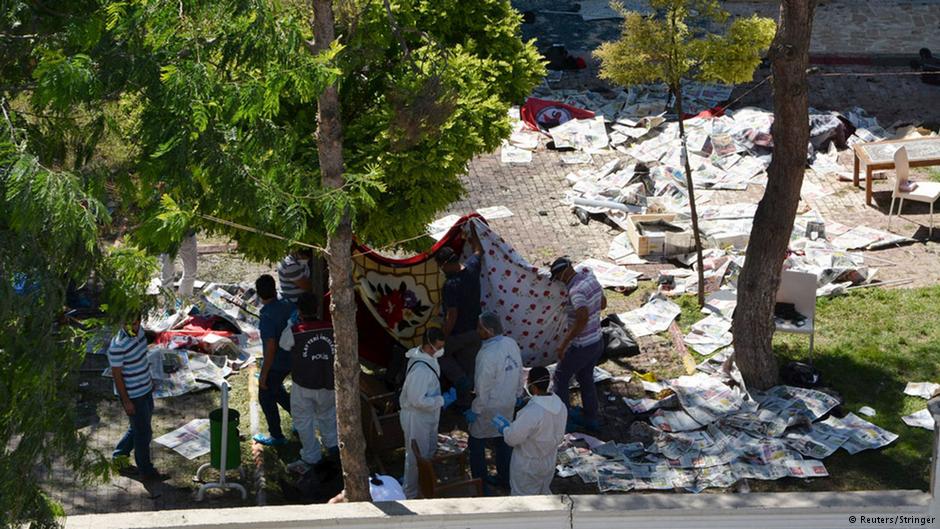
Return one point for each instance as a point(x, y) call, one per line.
point(438, 353)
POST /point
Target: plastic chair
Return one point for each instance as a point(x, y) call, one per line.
point(924, 192)
point(799, 288)
point(432, 487)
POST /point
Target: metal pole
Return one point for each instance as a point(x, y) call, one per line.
point(224, 454)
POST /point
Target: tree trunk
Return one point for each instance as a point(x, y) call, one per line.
point(343, 303)
point(753, 325)
point(677, 92)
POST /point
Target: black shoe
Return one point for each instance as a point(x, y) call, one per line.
point(154, 476)
point(128, 471)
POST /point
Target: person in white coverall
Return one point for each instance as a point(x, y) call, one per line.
point(497, 385)
point(535, 435)
point(188, 254)
point(421, 402)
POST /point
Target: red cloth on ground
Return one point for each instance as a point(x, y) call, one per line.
point(542, 114)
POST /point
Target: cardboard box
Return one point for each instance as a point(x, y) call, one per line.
point(667, 243)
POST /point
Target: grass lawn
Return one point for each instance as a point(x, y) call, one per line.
point(869, 345)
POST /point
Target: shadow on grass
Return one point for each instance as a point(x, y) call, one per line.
point(869, 345)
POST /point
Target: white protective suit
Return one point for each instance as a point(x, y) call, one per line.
point(421, 403)
point(535, 436)
point(189, 255)
point(497, 384)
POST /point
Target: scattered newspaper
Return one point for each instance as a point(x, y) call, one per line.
point(509, 153)
point(709, 334)
point(653, 318)
point(862, 435)
point(190, 440)
point(924, 390)
point(920, 419)
point(706, 398)
point(441, 226)
point(495, 212)
point(610, 275)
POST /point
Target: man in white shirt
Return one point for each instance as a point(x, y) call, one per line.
point(497, 385)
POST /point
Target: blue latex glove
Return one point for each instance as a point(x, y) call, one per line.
point(501, 423)
point(450, 397)
point(471, 416)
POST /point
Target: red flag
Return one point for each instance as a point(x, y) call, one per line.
point(542, 114)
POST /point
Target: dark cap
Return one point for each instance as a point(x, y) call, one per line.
point(559, 265)
point(445, 255)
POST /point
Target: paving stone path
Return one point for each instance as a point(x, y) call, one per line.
point(543, 228)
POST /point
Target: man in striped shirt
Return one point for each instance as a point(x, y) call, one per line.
point(302, 271)
point(130, 367)
point(582, 346)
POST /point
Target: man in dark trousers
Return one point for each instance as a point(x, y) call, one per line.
point(312, 396)
point(130, 368)
point(582, 347)
point(275, 317)
point(461, 307)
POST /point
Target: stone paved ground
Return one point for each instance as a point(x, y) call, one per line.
point(841, 27)
point(543, 228)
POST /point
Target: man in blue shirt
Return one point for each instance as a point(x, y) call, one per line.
point(461, 306)
point(275, 317)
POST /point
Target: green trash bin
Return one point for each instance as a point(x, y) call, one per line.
point(233, 454)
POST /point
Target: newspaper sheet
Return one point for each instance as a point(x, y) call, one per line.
point(920, 419)
point(862, 435)
point(652, 318)
point(610, 275)
point(190, 440)
point(705, 398)
point(924, 390)
point(819, 441)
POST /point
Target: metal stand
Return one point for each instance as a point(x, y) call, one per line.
point(222, 483)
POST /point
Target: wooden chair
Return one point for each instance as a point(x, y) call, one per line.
point(432, 487)
point(799, 288)
point(927, 192)
point(381, 425)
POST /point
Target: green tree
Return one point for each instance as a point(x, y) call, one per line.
point(674, 43)
point(52, 228)
point(273, 115)
point(49, 234)
point(753, 326)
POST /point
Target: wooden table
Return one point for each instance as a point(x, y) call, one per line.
point(879, 155)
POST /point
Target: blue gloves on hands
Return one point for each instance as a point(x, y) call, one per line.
point(501, 423)
point(450, 397)
point(471, 416)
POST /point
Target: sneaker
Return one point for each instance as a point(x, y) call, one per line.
point(269, 441)
point(298, 467)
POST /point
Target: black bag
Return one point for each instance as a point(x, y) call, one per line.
point(800, 375)
point(618, 342)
